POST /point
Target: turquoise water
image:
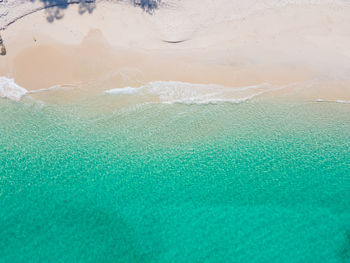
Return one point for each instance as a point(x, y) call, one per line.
point(260, 181)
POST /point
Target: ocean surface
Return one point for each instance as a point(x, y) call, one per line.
point(120, 178)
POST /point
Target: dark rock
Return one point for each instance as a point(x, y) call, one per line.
point(2, 50)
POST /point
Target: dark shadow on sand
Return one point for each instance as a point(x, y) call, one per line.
point(55, 8)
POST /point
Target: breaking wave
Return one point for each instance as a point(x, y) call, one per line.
point(336, 101)
point(10, 90)
point(188, 93)
point(53, 88)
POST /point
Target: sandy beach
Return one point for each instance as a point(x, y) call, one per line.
point(303, 45)
point(175, 131)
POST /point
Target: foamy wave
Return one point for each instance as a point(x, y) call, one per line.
point(53, 88)
point(336, 101)
point(189, 93)
point(10, 90)
point(343, 101)
point(126, 90)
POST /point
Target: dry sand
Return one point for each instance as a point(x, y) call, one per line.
point(227, 42)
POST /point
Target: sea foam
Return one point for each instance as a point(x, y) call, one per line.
point(189, 93)
point(54, 88)
point(10, 90)
point(335, 101)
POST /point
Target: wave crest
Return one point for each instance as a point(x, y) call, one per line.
point(189, 93)
point(10, 90)
point(335, 101)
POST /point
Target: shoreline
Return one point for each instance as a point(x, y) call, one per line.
point(230, 52)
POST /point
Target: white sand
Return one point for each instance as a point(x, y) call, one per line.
point(228, 42)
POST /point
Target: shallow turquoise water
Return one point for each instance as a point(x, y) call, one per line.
point(263, 181)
